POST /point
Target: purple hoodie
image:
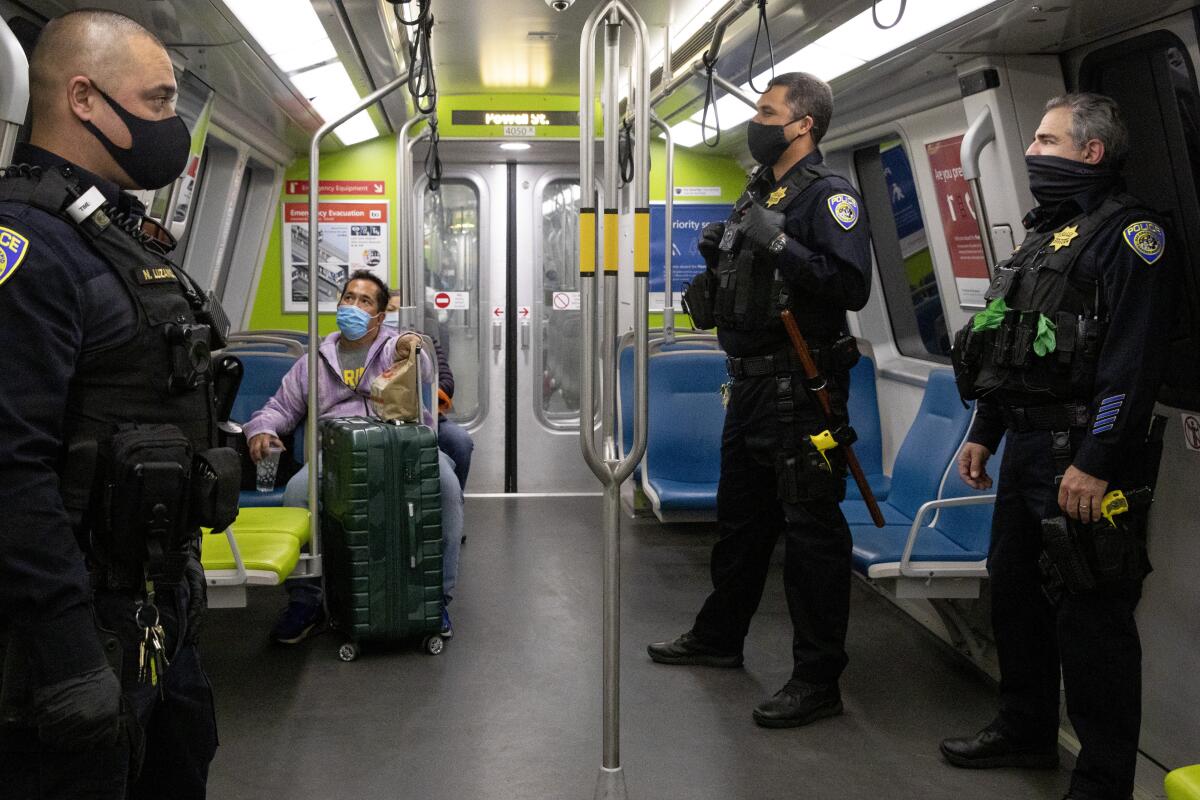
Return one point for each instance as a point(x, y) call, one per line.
point(289, 406)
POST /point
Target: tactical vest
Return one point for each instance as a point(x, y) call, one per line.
point(750, 297)
point(1037, 288)
point(159, 375)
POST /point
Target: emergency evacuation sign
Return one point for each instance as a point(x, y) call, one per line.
point(959, 223)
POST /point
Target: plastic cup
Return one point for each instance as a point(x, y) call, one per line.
point(267, 468)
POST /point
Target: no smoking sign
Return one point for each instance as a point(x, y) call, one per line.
point(1191, 432)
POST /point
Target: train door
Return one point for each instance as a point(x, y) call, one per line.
point(501, 267)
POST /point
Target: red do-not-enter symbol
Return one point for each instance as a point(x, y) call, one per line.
point(441, 300)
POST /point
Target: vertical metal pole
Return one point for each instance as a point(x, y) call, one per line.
point(407, 228)
point(669, 214)
point(608, 327)
point(311, 443)
point(610, 470)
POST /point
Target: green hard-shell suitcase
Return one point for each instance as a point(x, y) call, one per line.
point(381, 528)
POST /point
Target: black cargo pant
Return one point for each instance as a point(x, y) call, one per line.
point(175, 731)
point(755, 446)
point(1093, 635)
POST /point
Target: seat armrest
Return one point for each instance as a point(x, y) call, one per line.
point(924, 511)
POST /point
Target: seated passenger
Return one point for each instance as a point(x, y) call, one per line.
point(453, 439)
point(353, 357)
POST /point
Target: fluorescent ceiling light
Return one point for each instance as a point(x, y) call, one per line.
point(849, 46)
point(292, 35)
point(288, 30)
point(688, 133)
point(332, 93)
point(514, 146)
point(683, 32)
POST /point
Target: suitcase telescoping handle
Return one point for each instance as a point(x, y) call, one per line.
point(412, 536)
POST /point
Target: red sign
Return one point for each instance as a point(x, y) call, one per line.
point(365, 211)
point(957, 209)
point(441, 300)
point(338, 187)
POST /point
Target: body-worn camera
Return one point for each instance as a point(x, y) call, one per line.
point(191, 356)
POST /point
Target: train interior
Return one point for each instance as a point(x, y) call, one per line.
point(461, 187)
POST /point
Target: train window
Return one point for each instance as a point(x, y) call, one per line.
point(235, 227)
point(451, 247)
point(1153, 80)
point(558, 405)
point(906, 273)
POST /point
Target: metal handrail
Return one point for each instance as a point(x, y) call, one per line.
point(669, 213)
point(981, 133)
point(14, 91)
point(610, 469)
point(906, 568)
point(312, 442)
point(406, 218)
point(710, 54)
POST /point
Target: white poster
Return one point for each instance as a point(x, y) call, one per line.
point(352, 235)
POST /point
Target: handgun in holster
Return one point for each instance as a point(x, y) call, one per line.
point(1063, 564)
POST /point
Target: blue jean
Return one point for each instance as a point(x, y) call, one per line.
point(308, 590)
point(454, 441)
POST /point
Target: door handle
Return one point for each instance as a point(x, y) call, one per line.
point(524, 334)
point(497, 335)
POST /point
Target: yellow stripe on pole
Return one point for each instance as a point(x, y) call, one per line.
point(587, 242)
point(612, 241)
point(641, 241)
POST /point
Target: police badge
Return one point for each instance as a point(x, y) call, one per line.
point(1147, 240)
point(844, 209)
point(12, 252)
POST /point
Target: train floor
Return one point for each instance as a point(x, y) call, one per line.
point(511, 708)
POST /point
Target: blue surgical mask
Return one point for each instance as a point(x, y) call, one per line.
point(353, 322)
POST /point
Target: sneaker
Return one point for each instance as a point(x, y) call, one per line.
point(296, 622)
point(447, 628)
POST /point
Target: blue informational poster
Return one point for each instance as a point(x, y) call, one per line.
point(902, 191)
point(687, 220)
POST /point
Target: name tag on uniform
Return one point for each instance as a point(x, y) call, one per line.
point(86, 205)
point(148, 275)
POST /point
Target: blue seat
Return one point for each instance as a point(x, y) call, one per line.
point(262, 374)
point(949, 546)
point(864, 417)
point(683, 452)
point(921, 462)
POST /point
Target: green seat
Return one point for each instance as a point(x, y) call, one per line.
point(275, 519)
point(1183, 783)
point(269, 557)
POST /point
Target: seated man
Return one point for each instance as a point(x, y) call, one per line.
point(351, 358)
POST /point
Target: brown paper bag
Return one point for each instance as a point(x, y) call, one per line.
point(396, 394)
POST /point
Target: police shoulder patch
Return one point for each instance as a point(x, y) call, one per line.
point(844, 209)
point(13, 247)
point(1146, 239)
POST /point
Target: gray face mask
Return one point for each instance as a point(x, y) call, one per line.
point(158, 149)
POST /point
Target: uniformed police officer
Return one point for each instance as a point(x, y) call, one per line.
point(1066, 361)
point(106, 427)
point(796, 240)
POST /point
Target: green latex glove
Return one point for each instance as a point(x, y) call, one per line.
point(991, 317)
point(1044, 342)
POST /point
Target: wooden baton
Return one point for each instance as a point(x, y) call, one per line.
point(813, 375)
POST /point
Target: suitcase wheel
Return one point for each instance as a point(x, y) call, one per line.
point(348, 651)
point(434, 645)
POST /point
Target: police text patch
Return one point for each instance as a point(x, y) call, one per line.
point(13, 247)
point(1147, 240)
point(844, 209)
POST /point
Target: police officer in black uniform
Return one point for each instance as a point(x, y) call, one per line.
point(1065, 362)
point(796, 240)
point(107, 429)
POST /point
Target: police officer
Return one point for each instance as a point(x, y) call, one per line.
point(1066, 361)
point(796, 240)
point(106, 428)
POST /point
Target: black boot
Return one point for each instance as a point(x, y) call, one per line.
point(799, 703)
point(992, 747)
point(687, 649)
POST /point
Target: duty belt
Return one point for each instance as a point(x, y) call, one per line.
point(1057, 417)
point(757, 366)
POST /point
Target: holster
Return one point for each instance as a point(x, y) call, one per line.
point(699, 300)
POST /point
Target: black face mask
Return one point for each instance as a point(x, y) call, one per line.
point(158, 149)
point(767, 142)
point(1055, 180)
